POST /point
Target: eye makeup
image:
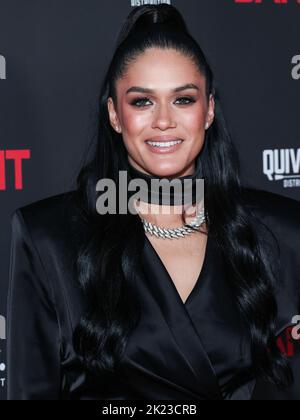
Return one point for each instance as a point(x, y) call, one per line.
point(185, 100)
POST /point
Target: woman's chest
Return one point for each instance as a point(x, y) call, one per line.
point(183, 262)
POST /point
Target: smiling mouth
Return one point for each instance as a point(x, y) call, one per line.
point(164, 144)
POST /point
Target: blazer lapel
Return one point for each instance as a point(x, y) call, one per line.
point(178, 319)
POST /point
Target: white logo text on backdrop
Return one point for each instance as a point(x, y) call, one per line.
point(135, 3)
point(282, 165)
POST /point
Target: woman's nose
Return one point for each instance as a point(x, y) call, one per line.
point(163, 118)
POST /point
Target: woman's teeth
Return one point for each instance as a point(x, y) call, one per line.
point(164, 144)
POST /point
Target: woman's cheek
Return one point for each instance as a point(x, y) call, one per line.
point(135, 128)
point(134, 122)
point(196, 116)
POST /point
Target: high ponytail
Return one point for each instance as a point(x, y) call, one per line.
point(141, 19)
point(110, 256)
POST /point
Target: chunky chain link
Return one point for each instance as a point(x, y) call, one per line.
point(181, 232)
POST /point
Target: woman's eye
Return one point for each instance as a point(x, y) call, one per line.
point(190, 100)
point(142, 102)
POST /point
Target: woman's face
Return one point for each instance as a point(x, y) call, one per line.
point(148, 108)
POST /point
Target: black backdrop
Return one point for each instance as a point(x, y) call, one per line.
point(52, 57)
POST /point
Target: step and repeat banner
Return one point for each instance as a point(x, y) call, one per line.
point(52, 57)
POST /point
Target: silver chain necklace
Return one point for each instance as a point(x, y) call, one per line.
point(181, 232)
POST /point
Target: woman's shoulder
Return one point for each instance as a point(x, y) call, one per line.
point(281, 216)
point(48, 207)
point(275, 208)
point(50, 216)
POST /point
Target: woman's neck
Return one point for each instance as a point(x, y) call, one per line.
point(166, 209)
point(167, 216)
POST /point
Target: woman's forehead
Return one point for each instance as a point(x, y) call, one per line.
point(165, 74)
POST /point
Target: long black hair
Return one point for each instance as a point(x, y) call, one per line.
point(109, 258)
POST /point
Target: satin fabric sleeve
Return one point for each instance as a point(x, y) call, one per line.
point(33, 338)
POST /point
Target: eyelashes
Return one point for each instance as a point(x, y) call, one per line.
point(140, 103)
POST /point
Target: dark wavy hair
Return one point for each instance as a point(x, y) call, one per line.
point(108, 261)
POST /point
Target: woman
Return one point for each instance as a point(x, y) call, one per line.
point(99, 307)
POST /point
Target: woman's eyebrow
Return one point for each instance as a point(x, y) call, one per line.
point(145, 90)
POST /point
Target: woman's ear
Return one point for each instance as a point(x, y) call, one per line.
point(113, 117)
point(210, 112)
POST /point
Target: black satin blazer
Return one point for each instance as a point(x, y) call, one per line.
point(179, 351)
